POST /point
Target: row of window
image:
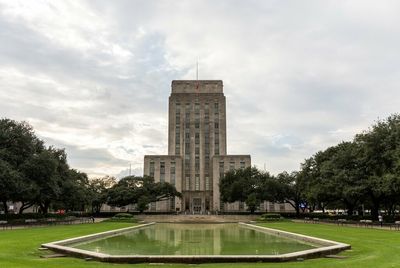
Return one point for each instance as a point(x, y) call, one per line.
point(162, 171)
point(242, 165)
point(188, 106)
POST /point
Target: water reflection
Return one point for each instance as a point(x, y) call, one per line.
point(194, 239)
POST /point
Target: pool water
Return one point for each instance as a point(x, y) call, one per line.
point(194, 239)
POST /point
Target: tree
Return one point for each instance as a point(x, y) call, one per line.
point(252, 202)
point(380, 150)
point(9, 179)
point(247, 185)
point(292, 188)
point(98, 189)
point(18, 144)
point(33, 174)
point(43, 170)
point(75, 193)
point(140, 191)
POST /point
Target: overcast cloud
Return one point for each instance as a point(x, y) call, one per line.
point(94, 76)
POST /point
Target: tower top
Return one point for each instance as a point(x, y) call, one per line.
point(197, 86)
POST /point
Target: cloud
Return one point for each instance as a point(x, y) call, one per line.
point(94, 77)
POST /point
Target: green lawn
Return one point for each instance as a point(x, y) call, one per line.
point(370, 247)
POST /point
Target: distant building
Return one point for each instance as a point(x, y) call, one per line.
point(197, 150)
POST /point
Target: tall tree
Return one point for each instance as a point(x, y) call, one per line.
point(292, 188)
point(98, 189)
point(380, 159)
point(140, 190)
point(247, 185)
point(18, 144)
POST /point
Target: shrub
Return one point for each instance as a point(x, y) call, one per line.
point(123, 216)
point(271, 216)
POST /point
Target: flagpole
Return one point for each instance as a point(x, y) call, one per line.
point(197, 70)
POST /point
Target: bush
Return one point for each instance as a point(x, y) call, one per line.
point(123, 216)
point(271, 217)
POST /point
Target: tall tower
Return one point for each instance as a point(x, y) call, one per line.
point(197, 145)
point(197, 132)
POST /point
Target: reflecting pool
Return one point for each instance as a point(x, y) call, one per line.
point(194, 239)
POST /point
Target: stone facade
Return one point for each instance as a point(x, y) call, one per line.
point(197, 146)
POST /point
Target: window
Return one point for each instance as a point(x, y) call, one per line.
point(172, 204)
point(271, 207)
point(242, 164)
point(221, 169)
point(207, 163)
point(216, 106)
point(197, 182)
point(177, 149)
point(208, 183)
point(178, 114)
point(197, 163)
point(151, 169)
point(231, 165)
point(187, 183)
point(162, 171)
point(216, 149)
point(187, 168)
point(172, 173)
point(216, 143)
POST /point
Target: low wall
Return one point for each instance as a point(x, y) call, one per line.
point(328, 247)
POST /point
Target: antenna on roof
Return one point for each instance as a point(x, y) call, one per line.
point(197, 70)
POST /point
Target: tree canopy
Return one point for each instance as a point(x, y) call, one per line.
point(355, 175)
point(140, 191)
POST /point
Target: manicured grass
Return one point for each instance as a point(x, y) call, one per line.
point(370, 247)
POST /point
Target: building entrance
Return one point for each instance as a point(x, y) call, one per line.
point(197, 205)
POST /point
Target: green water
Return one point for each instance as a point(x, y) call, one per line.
point(194, 239)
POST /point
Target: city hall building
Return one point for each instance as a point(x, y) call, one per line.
point(197, 149)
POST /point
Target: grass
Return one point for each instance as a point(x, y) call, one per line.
point(370, 247)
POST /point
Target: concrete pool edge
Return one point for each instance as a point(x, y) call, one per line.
point(328, 248)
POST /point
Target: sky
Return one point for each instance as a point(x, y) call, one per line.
point(94, 77)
